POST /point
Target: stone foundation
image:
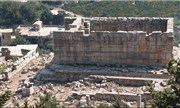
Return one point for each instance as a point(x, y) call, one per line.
point(110, 96)
point(64, 73)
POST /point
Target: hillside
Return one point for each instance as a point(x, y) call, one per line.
point(126, 9)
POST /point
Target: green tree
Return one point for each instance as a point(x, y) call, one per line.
point(9, 13)
point(59, 19)
point(19, 40)
point(5, 97)
point(117, 104)
point(53, 2)
point(31, 11)
point(170, 96)
point(47, 101)
point(46, 17)
point(15, 13)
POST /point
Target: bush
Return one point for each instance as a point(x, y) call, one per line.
point(4, 97)
point(170, 96)
point(47, 101)
point(43, 51)
point(19, 40)
point(103, 105)
point(2, 67)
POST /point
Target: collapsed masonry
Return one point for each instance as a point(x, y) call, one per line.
point(114, 40)
point(16, 57)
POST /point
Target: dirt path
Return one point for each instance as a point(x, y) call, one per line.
point(14, 81)
point(55, 12)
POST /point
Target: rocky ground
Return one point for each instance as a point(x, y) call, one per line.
point(60, 91)
point(27, 74)
point(63, 91)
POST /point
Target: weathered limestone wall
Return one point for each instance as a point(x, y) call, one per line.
point(128, 24)
point(67, 22)
point(115, 41)
point(110, 96)
point(6, 38)
point(112, 47)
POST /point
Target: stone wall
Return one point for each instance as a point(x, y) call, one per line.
point(110, 96)
point(116, 47)
point(68, 21)
point(128, 24)
point(68, 76)
point(6, 53)
point(6, 38)
point(22, 62)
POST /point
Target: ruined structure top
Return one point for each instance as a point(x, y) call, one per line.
point(114, 40)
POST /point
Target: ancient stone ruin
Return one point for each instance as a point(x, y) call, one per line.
point(114, 40)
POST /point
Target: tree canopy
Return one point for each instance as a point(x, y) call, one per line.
point(48, 18)
point(47, 101)
point(19, 40)
point(126, 9)
point(170, 96)
point(15, 13)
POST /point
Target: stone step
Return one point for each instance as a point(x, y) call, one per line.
point(126, 81)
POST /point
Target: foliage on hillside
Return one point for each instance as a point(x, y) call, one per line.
point(15, 13)
point(19, 40)
point(52, 2)
point(126, 8)
point(48, 18)
point(170, 97)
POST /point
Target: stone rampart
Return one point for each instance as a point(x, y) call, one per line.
point(128, 24)
point(151, 42)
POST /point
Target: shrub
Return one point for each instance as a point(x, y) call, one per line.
point(19, 40)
